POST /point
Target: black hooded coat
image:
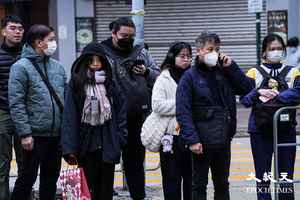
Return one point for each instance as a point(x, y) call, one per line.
point(79, 138)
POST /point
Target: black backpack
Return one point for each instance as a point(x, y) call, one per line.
point(264, 112)
point(134, 86)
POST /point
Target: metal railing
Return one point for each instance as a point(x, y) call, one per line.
point(281, 145)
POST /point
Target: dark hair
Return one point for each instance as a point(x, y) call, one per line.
point(80, 78)
point(115, 25)
point(174, 50)
point(270, 38)
point(146, 46)
point(13, 19)
point(293, 42)
point(207, 37)
point(37, 32)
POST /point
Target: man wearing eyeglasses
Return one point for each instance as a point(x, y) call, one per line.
point(134, 71)
point(12, 32)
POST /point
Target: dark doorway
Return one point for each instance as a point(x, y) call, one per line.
point(31, 11)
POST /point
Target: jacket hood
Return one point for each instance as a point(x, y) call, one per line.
point(93, 48)
point(29, 52)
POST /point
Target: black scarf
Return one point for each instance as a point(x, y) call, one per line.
point(176, 73)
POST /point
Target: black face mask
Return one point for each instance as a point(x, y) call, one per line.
point(125, 43)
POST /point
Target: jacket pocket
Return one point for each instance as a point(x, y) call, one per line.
point(212, 124)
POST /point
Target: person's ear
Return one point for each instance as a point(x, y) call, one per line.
point(264, 55)
point(39, 44)
point(3, 32)
point(198, 51)
point(114, 34)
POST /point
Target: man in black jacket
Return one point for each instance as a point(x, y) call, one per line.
point(136, 78)
point(10, 50)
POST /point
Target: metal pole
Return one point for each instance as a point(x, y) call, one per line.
point(138, 13)
point(275, 147)
point(258, 38)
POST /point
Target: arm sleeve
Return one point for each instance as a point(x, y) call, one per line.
point(17, 94)
point(184, 110)
point(241, 83)
point(160, 103)
point(251, 98)
point(152, 68)
point(291, 96)
point(121, 114)
point(70, 131)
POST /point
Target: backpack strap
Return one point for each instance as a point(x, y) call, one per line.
point(284, 72)
point(263, 72)
point(281, 76)
point(109, 51)
point(136, 51)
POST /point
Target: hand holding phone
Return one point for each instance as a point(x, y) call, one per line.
point(224, 60)
point(139, 67)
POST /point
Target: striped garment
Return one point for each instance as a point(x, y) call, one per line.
point(290, 77)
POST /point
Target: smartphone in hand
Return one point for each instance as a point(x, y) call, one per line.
point(220, 61)
point(139, 62)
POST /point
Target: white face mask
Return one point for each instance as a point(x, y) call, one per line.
point(275, 56)
point(51, 48)
point(211, 59)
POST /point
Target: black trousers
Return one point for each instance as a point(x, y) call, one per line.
point(176, 169)
point(133, 160)
point(46, 154)
point(99, 175)
point(262, 150)
point(8, 141)
point(218, 160)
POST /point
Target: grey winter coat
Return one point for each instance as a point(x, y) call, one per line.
point(32, 108)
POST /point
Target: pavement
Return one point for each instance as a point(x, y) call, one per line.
point(241, 167)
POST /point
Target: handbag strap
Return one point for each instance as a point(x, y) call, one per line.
point(48, 84)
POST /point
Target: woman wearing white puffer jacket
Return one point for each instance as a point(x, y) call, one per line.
point(175, 162)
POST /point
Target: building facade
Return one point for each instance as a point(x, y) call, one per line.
point(78, 22)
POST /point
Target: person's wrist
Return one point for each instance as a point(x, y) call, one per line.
point(147, 71)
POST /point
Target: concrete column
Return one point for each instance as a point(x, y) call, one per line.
point(62, 19)
point(138, 19)
point(277, 5)
point(293, 18)
point(84, 8)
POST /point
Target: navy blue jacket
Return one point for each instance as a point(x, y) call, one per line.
point(198, 87)
point(288, 97)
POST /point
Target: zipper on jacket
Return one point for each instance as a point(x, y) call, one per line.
point(53, 106)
